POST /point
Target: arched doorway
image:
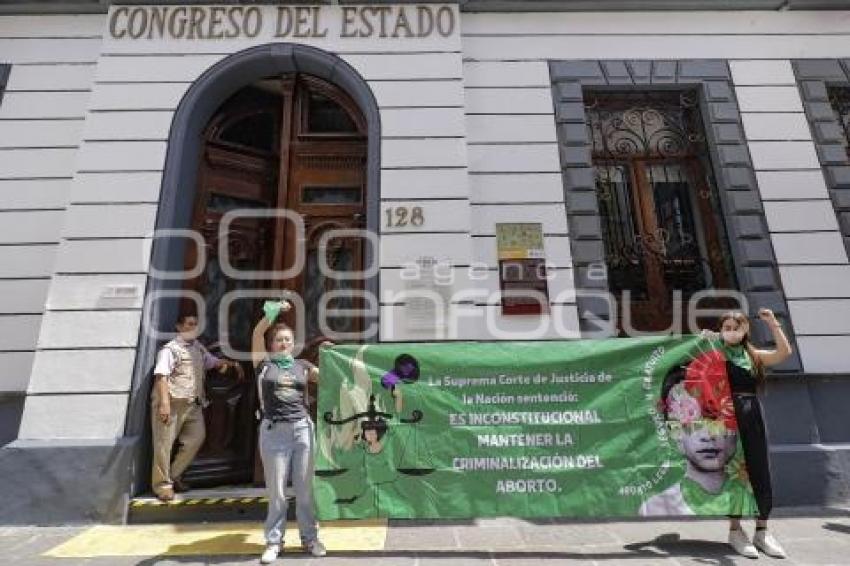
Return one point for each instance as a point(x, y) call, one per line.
point(293, 142)
point(186, 142)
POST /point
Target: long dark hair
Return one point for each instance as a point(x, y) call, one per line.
point(742, 319)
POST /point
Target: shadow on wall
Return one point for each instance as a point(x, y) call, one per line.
point(11, 411)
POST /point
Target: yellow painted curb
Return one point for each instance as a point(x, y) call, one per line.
point(212, 539)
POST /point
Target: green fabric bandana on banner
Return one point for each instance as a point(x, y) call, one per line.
point(618, 427)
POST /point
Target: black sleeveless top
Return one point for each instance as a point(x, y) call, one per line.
point(282, 391)
point(741, 380)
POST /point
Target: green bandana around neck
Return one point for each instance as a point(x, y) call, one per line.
point(283, 360)
point(738, 355)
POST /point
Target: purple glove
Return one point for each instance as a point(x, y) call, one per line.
point(390, 380)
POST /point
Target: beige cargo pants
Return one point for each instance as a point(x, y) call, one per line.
point(185, 425)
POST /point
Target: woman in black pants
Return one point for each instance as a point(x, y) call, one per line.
point(745, 368)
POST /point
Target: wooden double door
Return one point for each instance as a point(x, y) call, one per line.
point(293, 143)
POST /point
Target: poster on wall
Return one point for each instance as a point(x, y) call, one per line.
point(621, 427)
point(522, 268)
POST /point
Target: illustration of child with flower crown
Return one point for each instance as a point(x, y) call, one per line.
point(696, 401)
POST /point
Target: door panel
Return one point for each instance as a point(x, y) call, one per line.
point(228, 453)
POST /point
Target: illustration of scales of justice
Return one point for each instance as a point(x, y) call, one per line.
point(415, 457)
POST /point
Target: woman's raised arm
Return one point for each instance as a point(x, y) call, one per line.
point(258, 336)
point(783, 347)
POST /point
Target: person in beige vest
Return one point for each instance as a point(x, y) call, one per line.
point(177, 402)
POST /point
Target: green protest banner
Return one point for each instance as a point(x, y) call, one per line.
point(618, 427)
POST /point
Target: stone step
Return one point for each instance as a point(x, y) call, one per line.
point(237, 503)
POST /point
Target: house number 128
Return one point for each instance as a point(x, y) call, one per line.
point(401, 216)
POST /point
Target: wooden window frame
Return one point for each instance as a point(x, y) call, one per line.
point(306, 85)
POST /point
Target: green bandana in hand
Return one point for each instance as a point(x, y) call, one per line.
point(272, 310)
point(283, 360)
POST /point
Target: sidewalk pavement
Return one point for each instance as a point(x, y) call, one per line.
point(812, 536)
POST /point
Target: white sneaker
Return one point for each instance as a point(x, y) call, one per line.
point(270, 554)
point(765, 542)
point(316, 548)
point(741, 543)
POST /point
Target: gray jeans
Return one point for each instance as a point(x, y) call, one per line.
point(287, 448)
